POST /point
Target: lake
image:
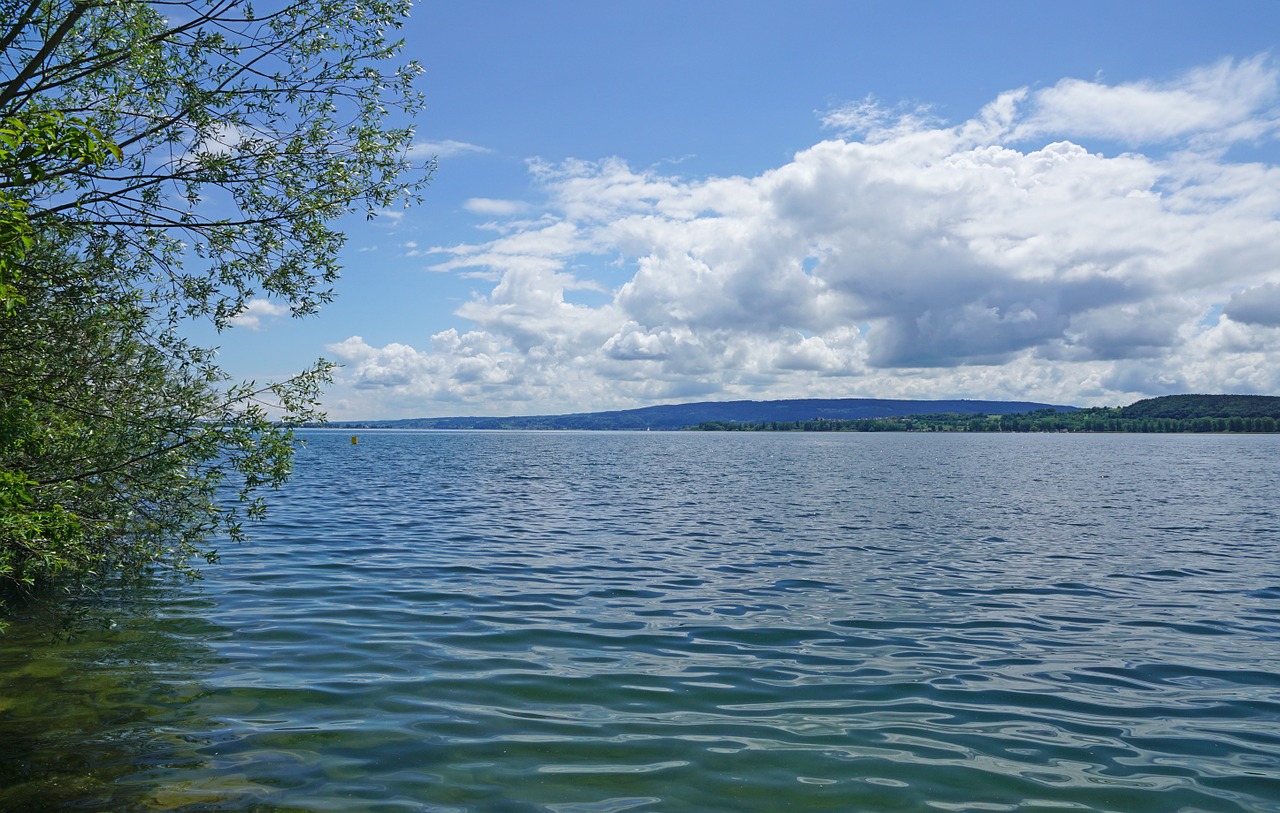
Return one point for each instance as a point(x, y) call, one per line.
point(572, 622)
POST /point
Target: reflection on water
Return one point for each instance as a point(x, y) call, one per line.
point(691, 622)
point(85, 717)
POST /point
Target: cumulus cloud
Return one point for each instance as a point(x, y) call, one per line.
point(996, 257)
point(1227, 102)
point(256, 311)
point(1259, 305)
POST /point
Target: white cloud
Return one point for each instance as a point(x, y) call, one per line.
point(992, 258)
point(494, 207)
point(872, 119)
point(410, 248)
point(222, 139)
point(1226, 102)
point(255, 311)
point(443, 149)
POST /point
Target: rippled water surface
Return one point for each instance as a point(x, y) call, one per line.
point(693, 622)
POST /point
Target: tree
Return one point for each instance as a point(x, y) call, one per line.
point(27, 143)
point(114, 444)
point(244, 135)
point(163, 161)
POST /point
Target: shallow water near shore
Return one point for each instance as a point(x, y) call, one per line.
point(577, 622)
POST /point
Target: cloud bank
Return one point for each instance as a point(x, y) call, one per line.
point(1080, 243)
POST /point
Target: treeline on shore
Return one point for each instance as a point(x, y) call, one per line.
point(1168, 414)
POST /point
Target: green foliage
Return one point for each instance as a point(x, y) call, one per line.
point(29, 143)
point(15, 241)
point(243, 133)
point(116, 435)
point(32, 145)
point(160, 163)
point(39, 539)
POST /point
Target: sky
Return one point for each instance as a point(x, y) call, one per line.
point(656, 202)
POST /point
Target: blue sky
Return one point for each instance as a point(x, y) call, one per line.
point(656, 202)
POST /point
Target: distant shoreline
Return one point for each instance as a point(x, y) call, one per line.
point(1169, 414)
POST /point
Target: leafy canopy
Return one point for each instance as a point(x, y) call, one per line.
point(162, 162)
point(244, 133)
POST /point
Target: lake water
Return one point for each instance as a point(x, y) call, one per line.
point(692, 622)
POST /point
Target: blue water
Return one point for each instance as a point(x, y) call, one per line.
point(578, 622)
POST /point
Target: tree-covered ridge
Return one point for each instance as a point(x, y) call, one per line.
point(1170, 413)
point(1174, 413)
point(1205, 406)
point(683, 416)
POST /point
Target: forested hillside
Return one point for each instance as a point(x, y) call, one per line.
point(683, 416)
point(1174, 413)
point(1205, 406)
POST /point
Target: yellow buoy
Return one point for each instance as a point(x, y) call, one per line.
point(354, 440)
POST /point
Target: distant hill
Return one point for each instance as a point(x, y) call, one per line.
point(680, 416)
point(1205, 406)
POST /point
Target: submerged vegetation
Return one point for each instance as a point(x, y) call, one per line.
point(1172, 413)
point(162, 164)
